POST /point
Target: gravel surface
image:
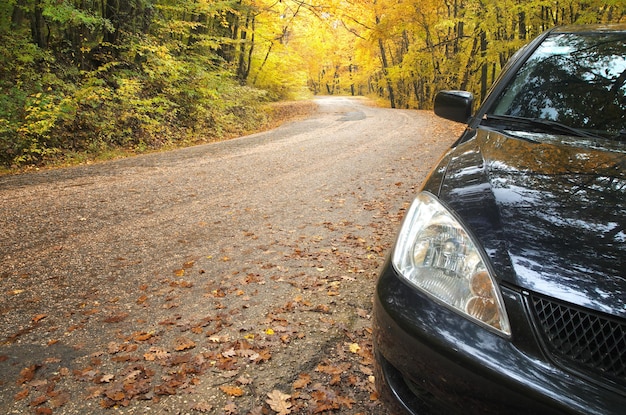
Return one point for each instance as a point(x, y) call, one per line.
point(234, 277)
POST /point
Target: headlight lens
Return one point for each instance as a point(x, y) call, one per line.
point(435, 254)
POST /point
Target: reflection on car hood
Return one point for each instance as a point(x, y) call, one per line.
point(550, 215)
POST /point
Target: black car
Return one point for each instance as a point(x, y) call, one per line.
point(505, 292)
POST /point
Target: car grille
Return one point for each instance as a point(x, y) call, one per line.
point(582, 339)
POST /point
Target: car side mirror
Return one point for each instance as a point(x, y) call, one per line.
point(454, 105)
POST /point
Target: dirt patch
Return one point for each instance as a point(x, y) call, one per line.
point(281, 112)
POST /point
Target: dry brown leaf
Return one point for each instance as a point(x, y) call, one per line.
point(229, 353)
point(232, 390)
point(184, 343)
point(244, 380)
point(39, 400)
point(115, 318)
point(59, 400)
point(142, 336)
point(39, 317)
point(27, 374)
point(21, 394)
point(322, 308)
point(202, 407)
point(115, 395)
point(113, 348)
point(251, 354)
point(132, 376)
point(181, 284)
point(94, 392)
point(333, 369)
point(230, 408)
point(345, 401)
point(106, 378)
point(264, 355)
point(156, 353)
point(168, 388)
point(279, 403)
point(303, 380)
point(218, 339)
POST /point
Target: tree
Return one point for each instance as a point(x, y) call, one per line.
point(83, 75)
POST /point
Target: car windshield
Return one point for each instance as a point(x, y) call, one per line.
point(577, 80)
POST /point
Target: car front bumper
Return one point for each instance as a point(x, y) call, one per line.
point(432, 360)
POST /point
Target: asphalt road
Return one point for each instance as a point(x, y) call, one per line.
point(202, 279)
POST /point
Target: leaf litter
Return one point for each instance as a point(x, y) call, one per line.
point(212, 335)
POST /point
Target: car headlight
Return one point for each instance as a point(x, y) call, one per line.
point(436, 255)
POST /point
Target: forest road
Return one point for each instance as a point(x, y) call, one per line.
point(234, 277)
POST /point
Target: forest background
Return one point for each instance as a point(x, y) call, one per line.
point(83, 79)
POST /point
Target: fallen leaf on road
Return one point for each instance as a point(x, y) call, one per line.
point(27, 374)
point(230, 408)
point(21, 395)
point(278, 401)
point(115, 318)
point(243, 380)
point(183, 343)
point(141, 336)
point(303, 380)
point(232, 390)
point(39, 400)
point(202, 407)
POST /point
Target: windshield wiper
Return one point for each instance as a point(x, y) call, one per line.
point(535, 124)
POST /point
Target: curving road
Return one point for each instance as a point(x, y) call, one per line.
point(269, 243)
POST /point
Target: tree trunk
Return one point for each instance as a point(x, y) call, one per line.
point(484, 67)
point(111, 12)
point(17, 15)
point(242, 65)
point(522, 25)
point(383, 57)
point(36, 25)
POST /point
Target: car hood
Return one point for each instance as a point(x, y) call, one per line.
point(550, 214)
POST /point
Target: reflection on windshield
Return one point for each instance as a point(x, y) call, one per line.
point(576, 79)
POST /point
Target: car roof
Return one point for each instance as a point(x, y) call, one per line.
point(591, 28)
